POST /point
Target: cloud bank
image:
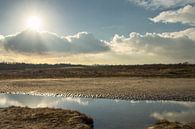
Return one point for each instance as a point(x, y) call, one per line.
point(84, 48)
point(185, 15)
point(45, 42)
point(162, 4)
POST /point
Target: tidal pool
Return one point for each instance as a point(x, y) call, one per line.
point(110, 114)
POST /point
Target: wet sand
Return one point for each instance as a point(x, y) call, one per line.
point(43, 118)
point(179, 89)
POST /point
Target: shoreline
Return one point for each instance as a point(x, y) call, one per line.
point(95, 97)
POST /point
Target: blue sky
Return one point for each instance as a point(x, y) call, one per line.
point(98, 31)
point(103, 18)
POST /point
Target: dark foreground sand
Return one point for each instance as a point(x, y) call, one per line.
point(172, 125)
point(110, 87)
point(43, 118)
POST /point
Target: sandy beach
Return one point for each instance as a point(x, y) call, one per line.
point(179, 89)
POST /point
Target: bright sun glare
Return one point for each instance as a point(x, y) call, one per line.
point(34, 23)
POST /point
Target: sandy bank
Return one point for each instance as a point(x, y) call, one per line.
point(43, 118)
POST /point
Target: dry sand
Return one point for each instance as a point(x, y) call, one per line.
point(182, 89)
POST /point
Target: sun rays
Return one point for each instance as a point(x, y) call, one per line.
point(34, 23)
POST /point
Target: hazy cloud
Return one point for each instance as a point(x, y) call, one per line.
point(1, 37)
point(185, 15)
point(46, 42)
point(156, 4)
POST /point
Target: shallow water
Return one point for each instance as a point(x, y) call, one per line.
point(110, 114)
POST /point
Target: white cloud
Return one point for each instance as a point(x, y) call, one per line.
point(46, 42)
point(185, 15)
point(156, 4)
point(175, 45)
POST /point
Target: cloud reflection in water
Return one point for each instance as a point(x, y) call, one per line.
point(38, 101)
point(187, 115)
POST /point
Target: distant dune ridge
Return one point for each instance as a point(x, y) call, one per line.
point(21, 70)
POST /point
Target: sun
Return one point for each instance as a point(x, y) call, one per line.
point(34, 23)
